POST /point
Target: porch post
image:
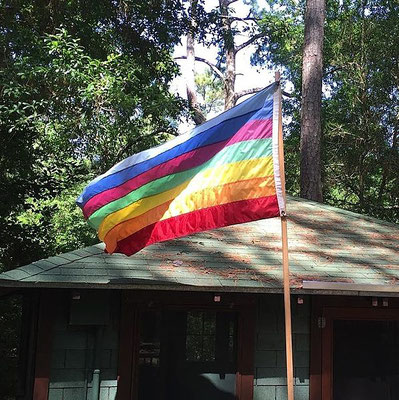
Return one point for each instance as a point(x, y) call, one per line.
point(44, 344)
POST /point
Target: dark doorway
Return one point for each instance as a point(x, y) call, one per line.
point(359, 356)
point(187, 355)
point(365, 360)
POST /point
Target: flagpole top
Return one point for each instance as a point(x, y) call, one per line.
point(277, 76)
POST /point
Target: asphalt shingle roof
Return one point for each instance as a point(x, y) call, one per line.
point(326, 244)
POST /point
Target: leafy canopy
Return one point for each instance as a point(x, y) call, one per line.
point(84, 85)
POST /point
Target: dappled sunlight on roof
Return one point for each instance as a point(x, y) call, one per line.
point(325, 244)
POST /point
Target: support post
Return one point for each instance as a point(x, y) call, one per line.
point(286, 270)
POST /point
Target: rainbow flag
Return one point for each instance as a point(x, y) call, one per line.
point(224, 172)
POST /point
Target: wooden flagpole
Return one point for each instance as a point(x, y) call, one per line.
point(286, 269)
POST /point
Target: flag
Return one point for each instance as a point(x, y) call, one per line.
point(224, 172)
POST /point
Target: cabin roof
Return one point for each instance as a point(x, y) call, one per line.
point(329, 249)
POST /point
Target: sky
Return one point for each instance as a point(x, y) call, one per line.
point(249, 76)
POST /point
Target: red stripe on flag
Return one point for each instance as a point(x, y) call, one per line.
point(200, 220)
point(252, 130)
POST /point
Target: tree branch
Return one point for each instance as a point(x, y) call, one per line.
point(214, 68)
point(286, 94)
point(249, 41)
point(232, 18)
point(333, 70)
point(247, 91)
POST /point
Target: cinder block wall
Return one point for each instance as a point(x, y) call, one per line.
point(76, 352)
point(270, 373)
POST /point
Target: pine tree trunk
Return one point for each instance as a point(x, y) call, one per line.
point(198, 116)
point(230, 74)
point(312, 69)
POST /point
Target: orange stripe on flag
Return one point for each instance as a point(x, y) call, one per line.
point(230, 192)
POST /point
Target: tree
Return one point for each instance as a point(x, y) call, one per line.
point(312, 71)
point(361, 113)
point(224, 27)
point(210, 91)
point(83, 86)
point(198, 116)
point(359, 105)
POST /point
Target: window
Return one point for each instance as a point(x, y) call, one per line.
point(210, 336)
point(201, 336)
point(150, 345)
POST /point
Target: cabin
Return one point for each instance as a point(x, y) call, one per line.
point(202, 317)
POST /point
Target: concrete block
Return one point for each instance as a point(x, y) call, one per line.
point(270, 341)
point(272, 376)
point(110, 338)
point(267, 322)
point(74, 394)
point(301, 323)
point(280, 323)
point(300, 393)
point(63, 378)
point(264, 393)
point(90, 341)
point(104, 393)
point(109, 377)
point(75, 358)
point(271, 303)
point(106, 358)
point(301, 376)
point(114, 358)
point(70, 340)
point(266, 358)
point(55, 394)
point(58, 359)
point(112, 393)
point(280, 358)
point(301, 342)
point(301, 359)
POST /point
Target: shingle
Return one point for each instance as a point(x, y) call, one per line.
point(325, 243)
point(71, 256)
point(44, 264)
point(57, 260)
point(17, 274)
point(31, 269)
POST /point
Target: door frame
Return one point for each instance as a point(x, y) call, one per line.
point(326, 309)
point(132, 302)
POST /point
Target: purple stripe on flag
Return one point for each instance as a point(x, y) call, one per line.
point(252, 130)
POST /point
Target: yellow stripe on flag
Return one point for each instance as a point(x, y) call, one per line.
point(209, 197)
point(227, 173)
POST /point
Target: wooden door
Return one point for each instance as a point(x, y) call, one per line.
point(360, 354)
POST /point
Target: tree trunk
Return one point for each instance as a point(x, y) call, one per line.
point(312, 69)
point(198, 116)
point(230, 74)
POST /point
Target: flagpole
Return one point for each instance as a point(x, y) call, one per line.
point(286, 269)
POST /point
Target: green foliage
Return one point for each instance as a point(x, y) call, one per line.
point(361, 111)
point(360, 104)
point(210, 88)
point(84, 85)
point(283, 27)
